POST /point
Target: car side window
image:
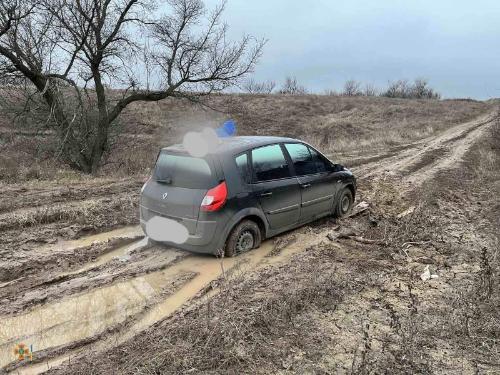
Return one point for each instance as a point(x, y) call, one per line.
point(242, 164)
point(301, 158)
point(269, 163)
point(320, 163)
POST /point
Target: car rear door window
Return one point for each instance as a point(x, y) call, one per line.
point(269, 163)
point(242, 164)
point(302, 159)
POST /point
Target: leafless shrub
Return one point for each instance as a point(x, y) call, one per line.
point(292, 87)
point(254, 87)
point(405, 90)
point(352, 88)
point(420, 90)
point(398, 89)
point(370, 90)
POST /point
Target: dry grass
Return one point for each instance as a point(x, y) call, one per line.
point(339, 125)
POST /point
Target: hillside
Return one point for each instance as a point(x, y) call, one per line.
point(348, 128)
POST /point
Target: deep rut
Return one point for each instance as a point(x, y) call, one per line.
point(420, 161)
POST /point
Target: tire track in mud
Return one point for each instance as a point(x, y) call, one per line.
point(19, 196)
point(458, 145)
point(122, 263)
point(27, 229)
point(205, 269)
point(420, 161)
point(413, 164)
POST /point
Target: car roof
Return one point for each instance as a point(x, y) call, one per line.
point(235, 145)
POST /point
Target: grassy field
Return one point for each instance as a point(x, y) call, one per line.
point(344, 127)
point(332, 297)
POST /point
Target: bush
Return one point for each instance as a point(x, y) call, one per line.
point(405, 90)
point(292, 87)
point(352, 88)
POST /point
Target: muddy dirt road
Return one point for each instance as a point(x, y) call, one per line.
point(97, 291)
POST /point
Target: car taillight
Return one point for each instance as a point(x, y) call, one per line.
point(215, 198)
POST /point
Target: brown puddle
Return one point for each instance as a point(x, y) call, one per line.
point(122, 233)
point(91, 313)
point(120, 252)
point(78, 317)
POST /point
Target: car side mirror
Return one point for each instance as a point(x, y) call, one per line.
point(335, 168)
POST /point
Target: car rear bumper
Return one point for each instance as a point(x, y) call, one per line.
point(202, 234)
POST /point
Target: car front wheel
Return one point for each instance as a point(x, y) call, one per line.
point(344, 203)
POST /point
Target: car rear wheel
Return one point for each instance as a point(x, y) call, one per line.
point(245, 236)
point(344, 203)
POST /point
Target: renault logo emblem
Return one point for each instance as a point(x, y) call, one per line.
point(165, 195)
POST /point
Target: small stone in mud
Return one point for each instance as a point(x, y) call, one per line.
point(124, 258)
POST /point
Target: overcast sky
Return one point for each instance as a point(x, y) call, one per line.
point(452, 43)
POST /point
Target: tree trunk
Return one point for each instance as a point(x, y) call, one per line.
point(100, 141)
point(70, 148)
point(99, 144)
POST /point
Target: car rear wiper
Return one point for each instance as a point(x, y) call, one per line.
point(167, 180)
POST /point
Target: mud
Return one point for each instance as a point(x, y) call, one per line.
point(458, 138)
point(68, 297)
point(82, 316)
point(120, 262)
point(36, 214)
point(89, 314)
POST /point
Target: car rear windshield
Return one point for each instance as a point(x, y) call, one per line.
point(184, 171)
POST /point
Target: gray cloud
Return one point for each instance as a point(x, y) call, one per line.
point(324, 43)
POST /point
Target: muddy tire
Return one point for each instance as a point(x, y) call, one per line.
point(244, 237)
point(344, 203)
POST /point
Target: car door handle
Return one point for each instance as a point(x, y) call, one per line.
point(305, 186)
point(267, 194)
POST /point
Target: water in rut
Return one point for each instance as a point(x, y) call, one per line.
point(138, 302)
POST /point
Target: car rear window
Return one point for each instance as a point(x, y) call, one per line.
point(242, 164)
point(184, 171)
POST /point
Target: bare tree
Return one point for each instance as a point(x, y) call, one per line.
point(73, 52)
point(352, 88)
point(420, 90)
point(254, 87)
point(292, 87)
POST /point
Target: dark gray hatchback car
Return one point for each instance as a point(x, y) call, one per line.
point(248, 189)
